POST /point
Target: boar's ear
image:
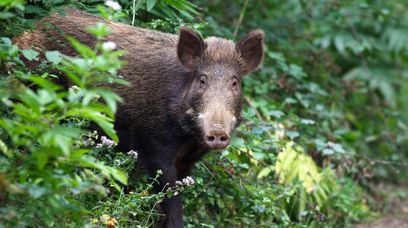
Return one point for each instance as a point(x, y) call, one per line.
point(190, 47)
point(251, 49)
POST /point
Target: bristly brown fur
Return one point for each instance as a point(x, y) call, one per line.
point(221, 50)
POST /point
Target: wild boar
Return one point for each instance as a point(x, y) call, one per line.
point(185, 93)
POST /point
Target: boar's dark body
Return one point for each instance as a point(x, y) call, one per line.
point(185, 93)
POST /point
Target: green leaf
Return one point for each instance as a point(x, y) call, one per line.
point(6, 41)
point(4, 148)
point(42, 155)
point(327, 151)
point(276, 113)
point(78, 153)
point(103, 121)
point(30, 55)
point(44, 83)
point(150, 4)
point(307, 121)
point(292, 134)
point(36, 191)
point(119, 175)
point(82, 49)
point(264, 172)
point(6, 15)
point(53, 56)
point(99, 30)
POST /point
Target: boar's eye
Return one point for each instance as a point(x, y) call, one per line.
point(203, 81)
point(235, 84)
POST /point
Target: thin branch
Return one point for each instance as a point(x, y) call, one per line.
point(377, 161)
point(134, 6)
point(257, 113)
point(241, 17)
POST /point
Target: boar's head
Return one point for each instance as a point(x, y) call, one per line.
point(214, 91)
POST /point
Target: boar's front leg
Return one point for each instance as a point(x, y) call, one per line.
point(172, 207)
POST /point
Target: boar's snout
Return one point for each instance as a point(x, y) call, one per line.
point(217, 127)
point(217, 139)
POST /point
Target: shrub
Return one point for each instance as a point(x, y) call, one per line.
point(44, 164)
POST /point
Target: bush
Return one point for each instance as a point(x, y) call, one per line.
point(44, 163)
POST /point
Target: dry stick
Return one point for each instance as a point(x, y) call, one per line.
point(241, 17)
point(376, 161)
point(248, 100)
point(133, 12)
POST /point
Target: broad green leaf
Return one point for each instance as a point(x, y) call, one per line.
point(99, 30)
point(53, 56)
point(6, 15)
point(78, 153)
point(264, 172)
point(150, 4)
point(119, 175)
point(44, 83)
point(36, 191)
point(30, 55)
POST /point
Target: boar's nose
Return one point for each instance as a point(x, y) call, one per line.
point(217, 139)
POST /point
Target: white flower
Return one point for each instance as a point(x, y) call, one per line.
point(107, 142)
point(109, 46)
point(133, 153)
point(188, 181)
point(113, 4)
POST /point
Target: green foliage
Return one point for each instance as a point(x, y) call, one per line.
point(291, 166)
point(325, 114)
point(171, 9)
point(43, 162)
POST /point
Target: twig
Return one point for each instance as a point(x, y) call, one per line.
point(241, 17)
point(254, 108)
point(377, 161)
point(134, 10)
point(257, 113)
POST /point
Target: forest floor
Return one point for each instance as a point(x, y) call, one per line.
point(393, 201)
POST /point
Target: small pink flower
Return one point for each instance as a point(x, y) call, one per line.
point(106, 142)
